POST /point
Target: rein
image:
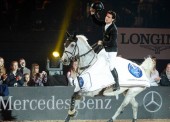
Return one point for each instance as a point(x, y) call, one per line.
point(94, 46)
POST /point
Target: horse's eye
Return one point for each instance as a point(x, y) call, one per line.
point(72, 45)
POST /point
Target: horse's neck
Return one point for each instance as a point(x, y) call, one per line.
point(87, 60)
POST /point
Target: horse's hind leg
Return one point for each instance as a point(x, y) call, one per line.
point(131, 93)
point(134, 108)
point(121, 108)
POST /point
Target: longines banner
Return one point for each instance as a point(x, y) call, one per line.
point(52, 103)
point(137, 43)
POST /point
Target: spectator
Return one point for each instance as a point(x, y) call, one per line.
point(37, 78)
point(165, 76)
point(23, 69)
point(26, 79)
point(72, 73)
point(3, 75)
point(154, 76)
point(15, 77)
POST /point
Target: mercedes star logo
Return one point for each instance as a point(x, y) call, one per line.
point(152, 101)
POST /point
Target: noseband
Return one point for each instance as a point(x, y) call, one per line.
point(73, 57)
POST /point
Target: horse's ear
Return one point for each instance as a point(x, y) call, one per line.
point(67, 33)
point(74, 35)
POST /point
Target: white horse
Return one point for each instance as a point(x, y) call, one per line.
point(78, 47)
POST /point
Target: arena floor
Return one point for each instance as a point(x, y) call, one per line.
point(140, 120)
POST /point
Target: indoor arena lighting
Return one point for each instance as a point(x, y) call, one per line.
point(70, 5)
point(56, 54)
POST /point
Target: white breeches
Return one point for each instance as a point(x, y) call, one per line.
point(111, 58)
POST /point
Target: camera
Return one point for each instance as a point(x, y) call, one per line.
point(15, 84)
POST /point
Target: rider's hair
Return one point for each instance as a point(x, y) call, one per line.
point(113, 14)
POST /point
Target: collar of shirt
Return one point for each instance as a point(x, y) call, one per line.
point(14, 72)
point(106, 26)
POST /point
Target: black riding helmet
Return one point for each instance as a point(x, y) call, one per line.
point(98, 6)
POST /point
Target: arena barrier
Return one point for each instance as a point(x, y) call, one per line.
point(52, 103)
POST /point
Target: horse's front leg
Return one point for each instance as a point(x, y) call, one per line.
point(74, 102)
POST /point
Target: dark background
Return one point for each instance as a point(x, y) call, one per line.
point(29, 28)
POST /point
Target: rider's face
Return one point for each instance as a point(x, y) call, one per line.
point(108, 18)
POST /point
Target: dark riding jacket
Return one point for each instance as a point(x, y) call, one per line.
point(109, 36)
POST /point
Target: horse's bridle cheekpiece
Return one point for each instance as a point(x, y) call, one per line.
point(71, 38)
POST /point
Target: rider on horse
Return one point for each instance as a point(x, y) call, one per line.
point(110, 33)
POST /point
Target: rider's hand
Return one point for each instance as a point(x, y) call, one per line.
point(100, 42)
point(92, 11)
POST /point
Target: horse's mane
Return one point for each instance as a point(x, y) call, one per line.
point(83, 39)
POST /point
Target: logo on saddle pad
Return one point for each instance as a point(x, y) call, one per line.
point(134, 70)
point(80, 81)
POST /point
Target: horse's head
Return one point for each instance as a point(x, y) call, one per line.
point(70, 49)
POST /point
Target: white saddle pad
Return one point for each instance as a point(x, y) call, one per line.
point(99, 75)
point(130, 74)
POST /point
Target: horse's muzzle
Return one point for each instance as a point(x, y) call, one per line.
point(65, 61)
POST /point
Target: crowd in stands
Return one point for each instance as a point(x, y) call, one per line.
point(20, 75)
point(160, 79)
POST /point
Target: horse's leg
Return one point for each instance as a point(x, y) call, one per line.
point(74, 102)
point(121, 108)
point(131, 93)
point(134, 108)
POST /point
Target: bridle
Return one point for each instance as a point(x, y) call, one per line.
point(73, 57)
point(77, 57)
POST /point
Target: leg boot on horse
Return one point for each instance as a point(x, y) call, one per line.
point(72, 112)
point(115, 75)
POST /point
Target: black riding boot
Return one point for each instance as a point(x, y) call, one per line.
point(115, 75)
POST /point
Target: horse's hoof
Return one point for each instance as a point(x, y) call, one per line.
point(121, 112)
point(74, 114)
point(67, 119)
point(134, 120)
point(110, 120)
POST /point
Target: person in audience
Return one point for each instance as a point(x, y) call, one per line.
point(15, 77)
point(165, 76)
point(3, 74)
point(37, 78)
point(72, 73)
point(26, 79)
point(23, 69)
point(154, 76)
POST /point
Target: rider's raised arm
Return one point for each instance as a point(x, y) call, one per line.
point(97, 21)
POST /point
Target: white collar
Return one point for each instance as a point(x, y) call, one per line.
point(107, 25)
point(14, 72)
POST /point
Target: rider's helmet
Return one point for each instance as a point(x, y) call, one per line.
point(98, 6)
